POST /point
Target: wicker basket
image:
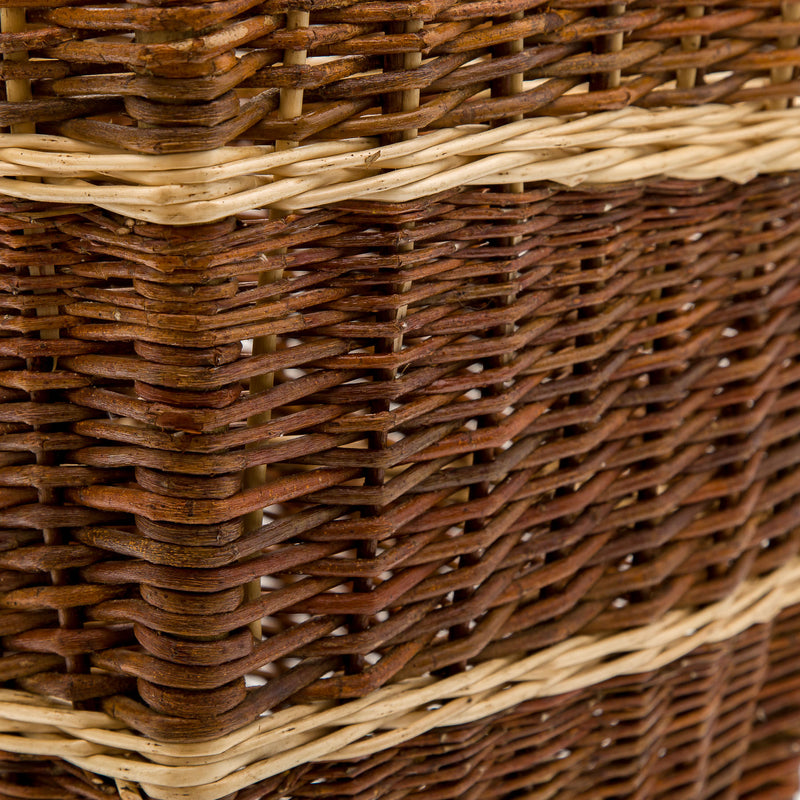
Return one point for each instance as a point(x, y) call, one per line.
point(400, 399)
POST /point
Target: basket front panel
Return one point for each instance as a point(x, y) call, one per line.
point(477, 426)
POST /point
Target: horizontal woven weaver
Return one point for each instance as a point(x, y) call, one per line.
point(384, 719)
point(734, 142)
point(455, 147)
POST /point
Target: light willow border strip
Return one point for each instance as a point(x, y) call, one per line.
point(384, 719)
point(713, 141)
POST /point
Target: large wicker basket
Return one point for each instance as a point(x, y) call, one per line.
point(400, 399)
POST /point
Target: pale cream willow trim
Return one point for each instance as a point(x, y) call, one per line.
point(384, 719)
point(712, 141)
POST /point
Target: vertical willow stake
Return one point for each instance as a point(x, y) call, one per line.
point(403, 101)
point(687, 76)
point(18, 90)
point(790, 11)
point(505, 86)
point(508, 86)
point(291, 106)
point(409, 101)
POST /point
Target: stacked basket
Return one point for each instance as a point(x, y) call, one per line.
point(400, 399)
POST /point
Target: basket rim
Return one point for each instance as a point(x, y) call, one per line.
point(298, 735)
point(735, 142)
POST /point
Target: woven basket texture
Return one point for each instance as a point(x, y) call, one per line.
point(586, 416)
point(710, 726)
point(287, 458)
point(158, 77)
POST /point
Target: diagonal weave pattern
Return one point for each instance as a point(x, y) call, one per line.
point(402, 422)
point(397, 715)
point(726, 731)
point(621, 444)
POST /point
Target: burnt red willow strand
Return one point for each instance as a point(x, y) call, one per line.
point(498, 417)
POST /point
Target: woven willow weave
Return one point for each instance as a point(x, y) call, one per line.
point(400, 400)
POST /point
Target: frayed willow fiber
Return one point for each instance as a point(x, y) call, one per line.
point(400, 400)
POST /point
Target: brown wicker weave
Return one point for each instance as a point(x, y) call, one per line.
point(371, 415)
point(181, 72)
point(656, 735)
